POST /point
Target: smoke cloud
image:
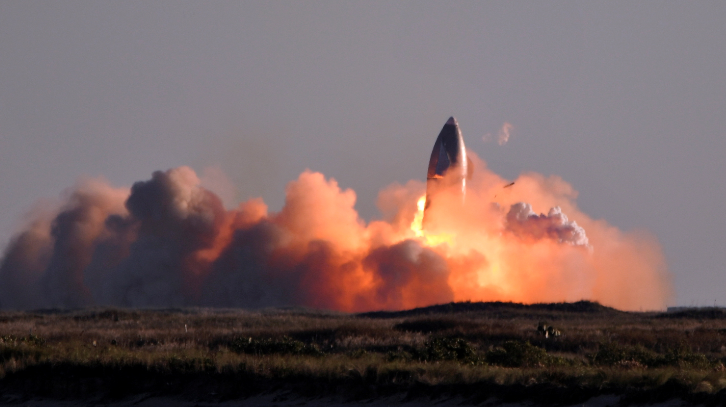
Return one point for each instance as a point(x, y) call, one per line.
point(168, 241)
point(504, 133)
point(522, 221)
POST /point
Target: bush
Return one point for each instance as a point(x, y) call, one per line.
point(31, 339)
point(435, 325)
point(19, 348)
point(446, 349)
point(684, 357)
point(611, 354)
point(521, 354)
point(398, 355)
point(282, 346)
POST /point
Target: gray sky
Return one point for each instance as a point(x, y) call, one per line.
point(624, 100)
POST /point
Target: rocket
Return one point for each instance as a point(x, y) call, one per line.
point(449, 167)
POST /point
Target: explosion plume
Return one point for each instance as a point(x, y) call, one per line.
point(168, 242)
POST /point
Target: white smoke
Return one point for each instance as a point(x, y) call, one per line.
point(524, 222)
point(504, 133)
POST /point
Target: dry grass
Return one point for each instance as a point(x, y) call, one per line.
point(487, 347)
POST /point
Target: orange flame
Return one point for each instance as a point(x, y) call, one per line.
point(417, 224)
point(430, 239)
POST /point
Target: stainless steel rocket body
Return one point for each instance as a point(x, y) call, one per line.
point(448, 165)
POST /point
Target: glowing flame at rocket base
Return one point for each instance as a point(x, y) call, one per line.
point(449, 167)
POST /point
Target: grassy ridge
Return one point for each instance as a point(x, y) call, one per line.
point(475, 350)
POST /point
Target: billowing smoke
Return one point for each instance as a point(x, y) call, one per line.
point(522, 221)
point(170, 242)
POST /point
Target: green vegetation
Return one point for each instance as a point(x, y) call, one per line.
point(477, 351)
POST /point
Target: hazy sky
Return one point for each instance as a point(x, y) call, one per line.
point(624, 100)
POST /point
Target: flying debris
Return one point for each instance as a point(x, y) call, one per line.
point(505, 187)
point(449, 166)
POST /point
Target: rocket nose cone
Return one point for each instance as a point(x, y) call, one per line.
point(452, 121)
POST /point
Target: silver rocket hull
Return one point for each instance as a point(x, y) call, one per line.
point(449, 166)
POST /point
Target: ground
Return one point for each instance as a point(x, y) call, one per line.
point(453, 354)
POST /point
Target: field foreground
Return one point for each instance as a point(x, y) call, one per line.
point(453, 354)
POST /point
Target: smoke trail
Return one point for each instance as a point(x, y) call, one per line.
point(169, 242)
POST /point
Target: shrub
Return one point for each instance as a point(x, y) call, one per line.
point(611, 354)
point(434, 325)
point(684, 357)
point(283, 346)
point(357, 353)
point(31, 339)
point(398, 355)
point(446, 349)
point(23, 347)
point(18, 353)
point(521, 354)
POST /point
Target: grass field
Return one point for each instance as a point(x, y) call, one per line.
point(548, 353)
